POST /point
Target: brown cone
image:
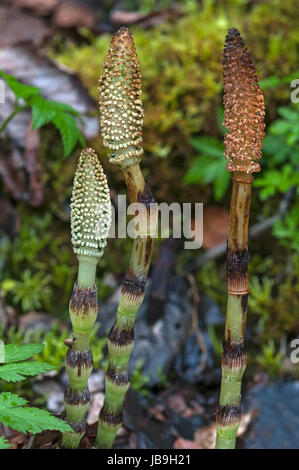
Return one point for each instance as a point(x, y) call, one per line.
point(244, 108)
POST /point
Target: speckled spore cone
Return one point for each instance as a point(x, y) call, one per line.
point(244, 118)
point(244, 108)
point(121, 129)
point(121, 112)
point(90, 223)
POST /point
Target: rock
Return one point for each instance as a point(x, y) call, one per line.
point(96, 381)
point(276, 406)
point(53, 392)
point(55, 402)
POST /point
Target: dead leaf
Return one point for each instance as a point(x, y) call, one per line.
point(196, 410)
point(177, 403)
point(70, 14)
point(46, 440)
point(41, 7)
point(245, 421)
point(206, 436)
point(18, 440)
point(157, 413)
point(96, 403)
point(119, 17)
point(215, 225)
point(146, 20)
point(17, 27)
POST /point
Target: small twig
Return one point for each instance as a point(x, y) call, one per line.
point(17, 110)
point(29, 443)
point(195, 327)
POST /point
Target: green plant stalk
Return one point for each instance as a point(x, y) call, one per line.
point(234, 352)
point(83, 311)
point(121, 120)
point(90, 222)
point(17, 110)
point(121, 336)
point(244, 112)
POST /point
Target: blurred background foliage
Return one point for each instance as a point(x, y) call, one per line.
point(182, 94)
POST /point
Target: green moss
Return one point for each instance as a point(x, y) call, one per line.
point(212, 281)
point(181, 68)
point(271, 360)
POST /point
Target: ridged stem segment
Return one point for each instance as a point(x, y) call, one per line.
point(121, 128)
point(121, 336)
point(83, 312)
point(243, 117)
point(90, 222)
point(234, 352)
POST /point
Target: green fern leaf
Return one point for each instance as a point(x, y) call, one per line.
point(58, 106)
point(45, 111)
point(19, 371)
point(25, 419)
point(42, 111)
point(3, 443)
point(20, 352)
point(20, 90)
point(69, 131)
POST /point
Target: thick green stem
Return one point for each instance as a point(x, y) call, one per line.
point(83, 312)
point(121, 336)
point(234, 352)
point(87, 270)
